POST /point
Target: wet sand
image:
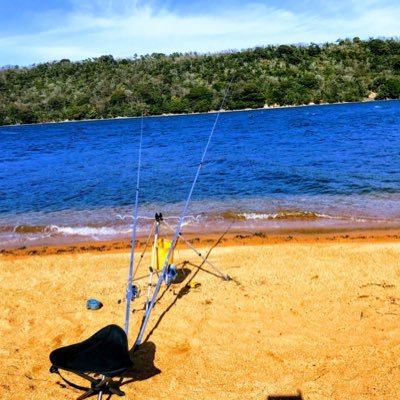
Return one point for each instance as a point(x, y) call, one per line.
point(316, 313)
point(227, 238)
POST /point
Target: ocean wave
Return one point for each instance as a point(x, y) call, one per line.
point(89, 230)
point(106, 224)
point(187, 219)
point(282, 214)
point(104, 228)
point(66, 230)
point(107, 228)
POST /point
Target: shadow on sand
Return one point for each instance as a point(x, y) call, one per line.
point(143, 363)
point(297, 396)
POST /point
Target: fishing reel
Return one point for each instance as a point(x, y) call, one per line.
point(170, 274)
point(135, 292)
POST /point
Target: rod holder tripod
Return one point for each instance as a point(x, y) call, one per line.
point(163, 275)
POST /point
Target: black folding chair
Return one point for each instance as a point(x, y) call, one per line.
point(105, 353)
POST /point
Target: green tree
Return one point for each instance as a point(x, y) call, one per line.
point(199, 98)
point(119, 96)
point(389, 89)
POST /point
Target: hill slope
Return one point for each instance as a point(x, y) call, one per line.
point(180, 83)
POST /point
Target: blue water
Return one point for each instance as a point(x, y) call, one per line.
point(338, 162)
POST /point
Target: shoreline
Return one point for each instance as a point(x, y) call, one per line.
point(71, 228)
point(221, 239)
point(266, 107)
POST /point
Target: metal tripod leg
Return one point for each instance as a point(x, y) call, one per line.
point(153, 256)
point(225, 277)
point(145, 246)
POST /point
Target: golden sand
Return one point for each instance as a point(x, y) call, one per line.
point(318, 315)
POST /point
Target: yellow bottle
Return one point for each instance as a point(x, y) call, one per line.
point(163, 246)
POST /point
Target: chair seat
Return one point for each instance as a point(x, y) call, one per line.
point(105, 353)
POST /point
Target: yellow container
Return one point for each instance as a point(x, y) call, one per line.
point(163, 246)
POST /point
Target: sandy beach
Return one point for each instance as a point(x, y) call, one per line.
point(316, 314)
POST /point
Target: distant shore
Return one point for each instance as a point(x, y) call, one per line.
point(266, 107)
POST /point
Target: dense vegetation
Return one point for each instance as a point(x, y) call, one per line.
point(104, 87)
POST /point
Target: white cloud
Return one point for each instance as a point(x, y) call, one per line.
point(126, 27)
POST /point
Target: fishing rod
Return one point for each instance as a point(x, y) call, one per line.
point(149, 308)
point(132, 258)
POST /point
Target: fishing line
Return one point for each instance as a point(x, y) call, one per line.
point(132, 258)
point(178, 228)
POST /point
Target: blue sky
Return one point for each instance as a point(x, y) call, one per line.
point(34, 31)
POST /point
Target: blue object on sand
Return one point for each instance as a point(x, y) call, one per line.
point(93, 304)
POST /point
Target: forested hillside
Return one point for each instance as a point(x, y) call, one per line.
point(104, 87)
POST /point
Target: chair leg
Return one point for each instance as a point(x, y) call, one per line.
point(103, 381)
point(108, 385)
point(96, 388)
point(117, 391)
point(105, 385)
point(86, 394)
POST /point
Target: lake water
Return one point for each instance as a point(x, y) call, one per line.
point(306, 167)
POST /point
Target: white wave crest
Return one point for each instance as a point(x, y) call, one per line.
point(88, 230)
point(287, 214)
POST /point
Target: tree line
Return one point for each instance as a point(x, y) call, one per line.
point(105, 87)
